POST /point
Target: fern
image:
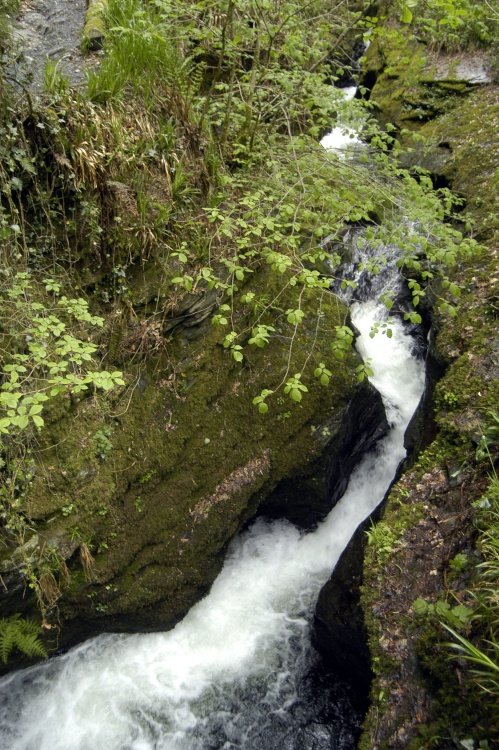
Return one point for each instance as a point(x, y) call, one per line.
point(17, 633)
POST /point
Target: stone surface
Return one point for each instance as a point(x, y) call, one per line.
point(472, 68)
point(50, 30)
point(304, 498)
point(339, 630)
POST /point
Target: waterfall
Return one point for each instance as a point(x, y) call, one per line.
point(227, 675)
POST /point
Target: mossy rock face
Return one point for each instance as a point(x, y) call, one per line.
point(156, 490)
point(411, 85)
point(94, 31)
point(420, 697)
point(469, 138)
point(393, 63)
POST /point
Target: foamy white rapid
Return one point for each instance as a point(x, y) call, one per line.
point(342, 136)
point(171, 691)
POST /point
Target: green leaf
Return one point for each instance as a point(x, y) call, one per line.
point(406, 14)
point(9, 399)
point(442, 608)
point(462, 613)
point(420, 607)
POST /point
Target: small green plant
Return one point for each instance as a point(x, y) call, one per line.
point(55, 82)
point(68, 509)
point(455, 24)
point(457, 616)
point(450, 399)
point(383, 326)
point(260, 335)
point(294, 388)
point(148, 476)
point(139, 504)
point(459, 563)
point(259, 401)
point(342, 344)
point(19, 634)
point(364, 371)
point(489, 436)
point(481, 648)
point(485, 667)
point(102, 444)
point(382, 539)
point(54, 361)
point(323, 374)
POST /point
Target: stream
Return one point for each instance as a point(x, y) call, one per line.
point(235, 673)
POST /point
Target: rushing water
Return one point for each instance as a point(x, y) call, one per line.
point(224, 676)
point(233, 673)
point(343, 135)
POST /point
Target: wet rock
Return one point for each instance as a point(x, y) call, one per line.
point(422, 428)
point(306, 497)
point(339, 632)
point(187, 462)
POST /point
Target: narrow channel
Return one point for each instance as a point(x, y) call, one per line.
point(228, 675)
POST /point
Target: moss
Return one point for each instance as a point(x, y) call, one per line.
point(470, 133)
point(452, 698)
point(410, 89)
point(94, 30)
point(396, 61)
point(418, 699)
point(423, 497)
point(185, 422)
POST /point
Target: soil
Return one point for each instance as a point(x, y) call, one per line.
point(423, 554)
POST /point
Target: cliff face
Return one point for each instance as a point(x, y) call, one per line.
point(137, 508)
point(447, 109)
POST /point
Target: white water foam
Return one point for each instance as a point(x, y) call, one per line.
point(342, 136)
point(165, 691)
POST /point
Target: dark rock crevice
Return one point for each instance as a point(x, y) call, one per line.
point(339, 630)
point(306, 498)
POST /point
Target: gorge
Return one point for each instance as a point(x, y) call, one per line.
point(207, 319)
